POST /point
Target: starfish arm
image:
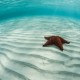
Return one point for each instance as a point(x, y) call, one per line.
point(64, 41)
point(49, 42)
point(47, 38)
point(59, 44)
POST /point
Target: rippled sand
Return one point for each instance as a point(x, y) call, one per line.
point(22, 56)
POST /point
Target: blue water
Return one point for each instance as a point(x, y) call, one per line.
point(23, 25)
point(14, 8)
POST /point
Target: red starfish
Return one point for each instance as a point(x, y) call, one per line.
point(56, 40)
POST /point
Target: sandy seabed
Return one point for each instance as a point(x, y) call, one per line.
point(22, 56)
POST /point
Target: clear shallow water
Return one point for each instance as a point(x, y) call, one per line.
point(22, 29)
point(18, 8)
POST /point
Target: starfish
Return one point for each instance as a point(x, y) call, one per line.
point(55, 40)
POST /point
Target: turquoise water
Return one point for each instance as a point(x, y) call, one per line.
point(14, 8)
point(23, 25)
